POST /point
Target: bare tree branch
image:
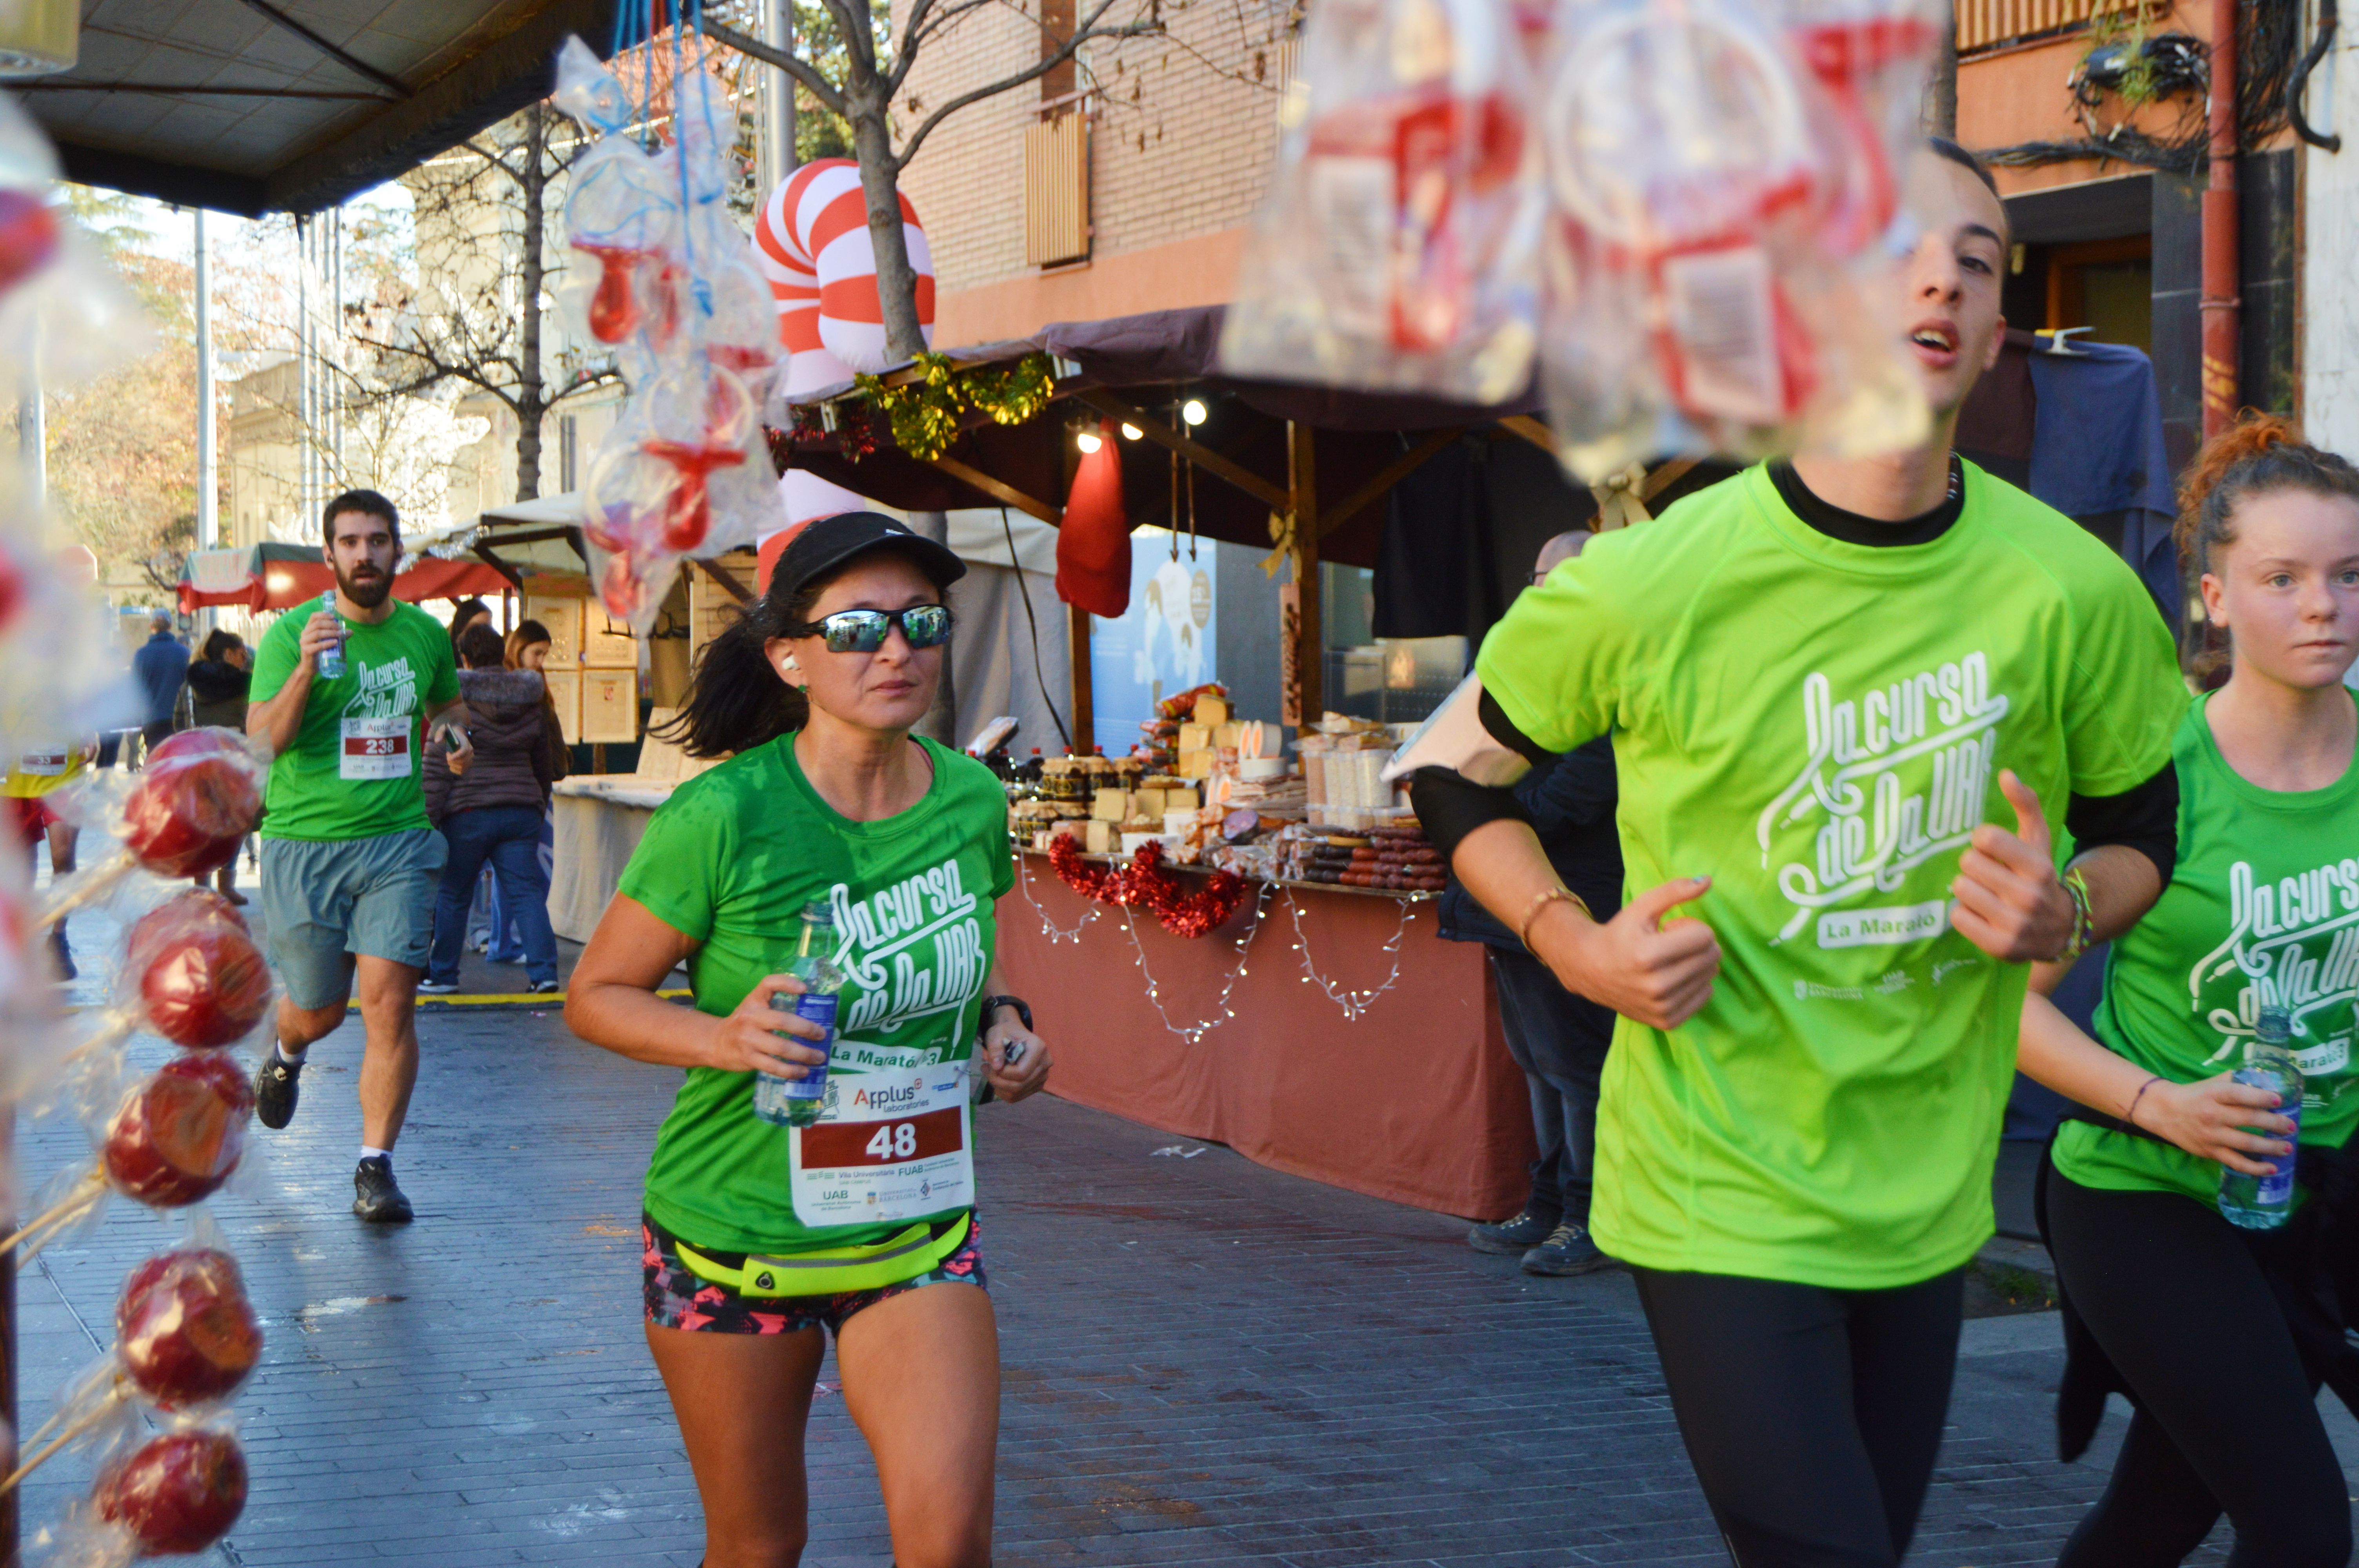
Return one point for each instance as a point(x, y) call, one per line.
point(806, 75)
point(1086, 32)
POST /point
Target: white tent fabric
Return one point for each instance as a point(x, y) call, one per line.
point(995, 646)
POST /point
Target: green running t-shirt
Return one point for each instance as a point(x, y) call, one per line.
point(352, 770)
point(2263, 907)
point(1819, 726)
point(730, 860)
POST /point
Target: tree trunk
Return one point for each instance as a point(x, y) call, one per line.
point(896, 281)
point(531, 394)
point(1941, 88)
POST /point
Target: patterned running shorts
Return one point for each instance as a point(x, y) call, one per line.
point(677, 1298)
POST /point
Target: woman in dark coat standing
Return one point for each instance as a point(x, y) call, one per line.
point(216, 689)
point(493, 813)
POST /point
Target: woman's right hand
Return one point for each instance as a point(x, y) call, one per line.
point(753, 1039)
point(2208, 1120)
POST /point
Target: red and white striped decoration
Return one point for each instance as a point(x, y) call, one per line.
point(811, 243)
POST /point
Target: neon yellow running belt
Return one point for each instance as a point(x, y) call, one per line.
point(835, 1270)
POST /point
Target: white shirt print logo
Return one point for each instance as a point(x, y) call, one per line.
point(881, 937)
point(2273, 955)
point(1894, 778)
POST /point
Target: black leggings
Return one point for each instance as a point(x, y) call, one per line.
point(1813, 1416)
point(2227, 1418)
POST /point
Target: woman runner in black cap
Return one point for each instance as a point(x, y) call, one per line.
point(762, 1237)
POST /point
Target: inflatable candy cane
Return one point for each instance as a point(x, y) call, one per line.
point(812, 241)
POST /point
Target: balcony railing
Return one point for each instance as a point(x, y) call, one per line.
point(1985, 24)
point(1057, 190)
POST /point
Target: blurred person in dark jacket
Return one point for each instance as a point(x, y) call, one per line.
point(492, 813)
point(500, 942)
point(1559, 1039)
point(216, 696)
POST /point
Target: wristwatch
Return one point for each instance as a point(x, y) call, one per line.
point(992, 1004)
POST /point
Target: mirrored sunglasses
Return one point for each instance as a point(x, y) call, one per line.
point(865, 630)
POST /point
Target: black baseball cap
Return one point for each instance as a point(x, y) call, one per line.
point(827, 543)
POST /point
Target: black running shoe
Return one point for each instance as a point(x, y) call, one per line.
point(60, 954)
point(1512, 1237)
point(275, 1090)
point(375, 1196)
point(1568, 1251)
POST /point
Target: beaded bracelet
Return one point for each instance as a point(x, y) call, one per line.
point(2130, 1115)
point(2084, 924)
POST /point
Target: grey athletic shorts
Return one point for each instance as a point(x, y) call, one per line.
point(323, 904)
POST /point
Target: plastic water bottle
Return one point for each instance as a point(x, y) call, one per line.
point(2262, 1203)
point(331, 657)
point(797, 1102)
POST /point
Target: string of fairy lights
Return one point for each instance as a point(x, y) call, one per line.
point(1050, 928)
point(1192, 1032)
point(1352, 1002)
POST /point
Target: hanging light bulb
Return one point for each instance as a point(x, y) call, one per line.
point(1130, 432)
point(1194, 411)
point(1088, 440)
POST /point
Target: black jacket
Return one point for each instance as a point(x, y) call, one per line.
point(516, 759)
point(1570, 800)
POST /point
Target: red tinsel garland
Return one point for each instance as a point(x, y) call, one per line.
point(1145, 885)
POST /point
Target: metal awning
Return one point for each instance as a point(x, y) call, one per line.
point(252, 106)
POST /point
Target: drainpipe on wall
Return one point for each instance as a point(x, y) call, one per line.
point(2221, 304)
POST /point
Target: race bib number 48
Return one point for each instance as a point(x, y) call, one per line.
point(892, 1144)
point(376, 748)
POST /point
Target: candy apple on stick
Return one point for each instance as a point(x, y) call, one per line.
point(174, 1140)
point(191, 807)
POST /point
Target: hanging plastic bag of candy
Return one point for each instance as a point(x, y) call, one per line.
point(1397, 247)
point(1718, 256)
point(685, 470)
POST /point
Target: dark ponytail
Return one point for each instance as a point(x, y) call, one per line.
point(736, 700)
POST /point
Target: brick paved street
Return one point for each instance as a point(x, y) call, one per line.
point(1206, 1361)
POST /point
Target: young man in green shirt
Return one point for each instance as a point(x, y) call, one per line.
point(1821, 678)
point(350, 864)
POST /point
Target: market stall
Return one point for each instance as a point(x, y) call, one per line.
point(279, 576)
point(1323, 1032)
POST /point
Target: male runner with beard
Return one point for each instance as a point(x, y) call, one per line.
point(1829, 682)
point(350, 864)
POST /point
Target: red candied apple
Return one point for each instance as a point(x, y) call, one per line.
point(176, 1494)
point(198, 799)
point(205, 986)
point(184, 1329)
point(180, 1134)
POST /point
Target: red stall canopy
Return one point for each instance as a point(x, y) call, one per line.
point(279, 576)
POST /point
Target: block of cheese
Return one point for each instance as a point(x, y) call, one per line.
point(1110, 805)
point(1070, 827)
point(1099, 836)
point(1195, 738)
point(1179, 800)
point(1197, 765)
point(1212, 710)
point(1228, 736)
point(1147, 803)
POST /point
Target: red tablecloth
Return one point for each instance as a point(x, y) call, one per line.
point(1415, 1100)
